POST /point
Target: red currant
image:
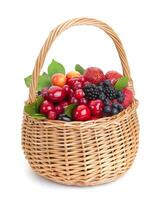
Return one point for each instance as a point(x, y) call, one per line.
point(52, 115)
point(46, 106)
point(79, 94)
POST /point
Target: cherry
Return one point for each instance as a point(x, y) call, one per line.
point(46, 106)
point(77, 85)
point(95, 117)
point(64, 104)
point(82, 79)
point(52, 115)
point(44, 92)
point(71, 93)
point(59, 109)
point(66, 89)
point(56, 94)
point(86, 83)
point(73, 100)
point(82, 113)
point(79, 94)
point(96, 107)
point(83, 101)
point(71, 81)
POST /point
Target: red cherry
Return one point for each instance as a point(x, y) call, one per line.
point(52, 115)
point(71, 93)
point(64, 104)
point(71, 81)
point(86, 83)
point(96, 107)
point(95, 117)
point(46, 106)
point(82, 113)
point(44, 91)
point(79, 94)
point(73, 100)
point(66, 89)
point(77, 85)
point(83, 101)
point(82, 79)
point(56, 94)
point(59, 109)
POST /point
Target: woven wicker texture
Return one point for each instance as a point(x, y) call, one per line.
point(81, 153)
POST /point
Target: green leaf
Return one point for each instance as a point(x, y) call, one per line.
point(28, 80)
point(55, 68)
point(79, 69)
point(38, 102)
point(44, 81)
point(39, 116)
point(121, 83)
point(33, 108)
point(30, 108)
point(69, 109)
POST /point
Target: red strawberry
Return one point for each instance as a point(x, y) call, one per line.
point(113, 76)
point(128, 97)
point(94, 75)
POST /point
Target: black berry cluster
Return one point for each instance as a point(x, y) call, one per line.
point(106, 92)
point(91, 91)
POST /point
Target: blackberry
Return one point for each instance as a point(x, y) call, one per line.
point(111, 92)
point(91, 91)
point(100, 88)
point(102, 96)
point(107, 83)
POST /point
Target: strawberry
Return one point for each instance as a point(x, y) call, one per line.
point(113, 76)
point(94, 75)
point(128, 97)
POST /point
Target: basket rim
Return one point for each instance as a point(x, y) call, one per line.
point(119, 116)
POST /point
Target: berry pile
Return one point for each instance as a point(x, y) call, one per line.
point(85, 94)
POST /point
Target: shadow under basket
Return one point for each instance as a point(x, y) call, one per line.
point(81, 153)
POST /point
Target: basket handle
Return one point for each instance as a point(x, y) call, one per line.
point(64, 26)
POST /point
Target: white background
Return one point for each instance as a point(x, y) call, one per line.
point(24, 26)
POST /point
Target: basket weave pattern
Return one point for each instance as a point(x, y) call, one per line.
point(81, 153)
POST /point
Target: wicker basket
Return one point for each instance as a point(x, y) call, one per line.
point(81, 153)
